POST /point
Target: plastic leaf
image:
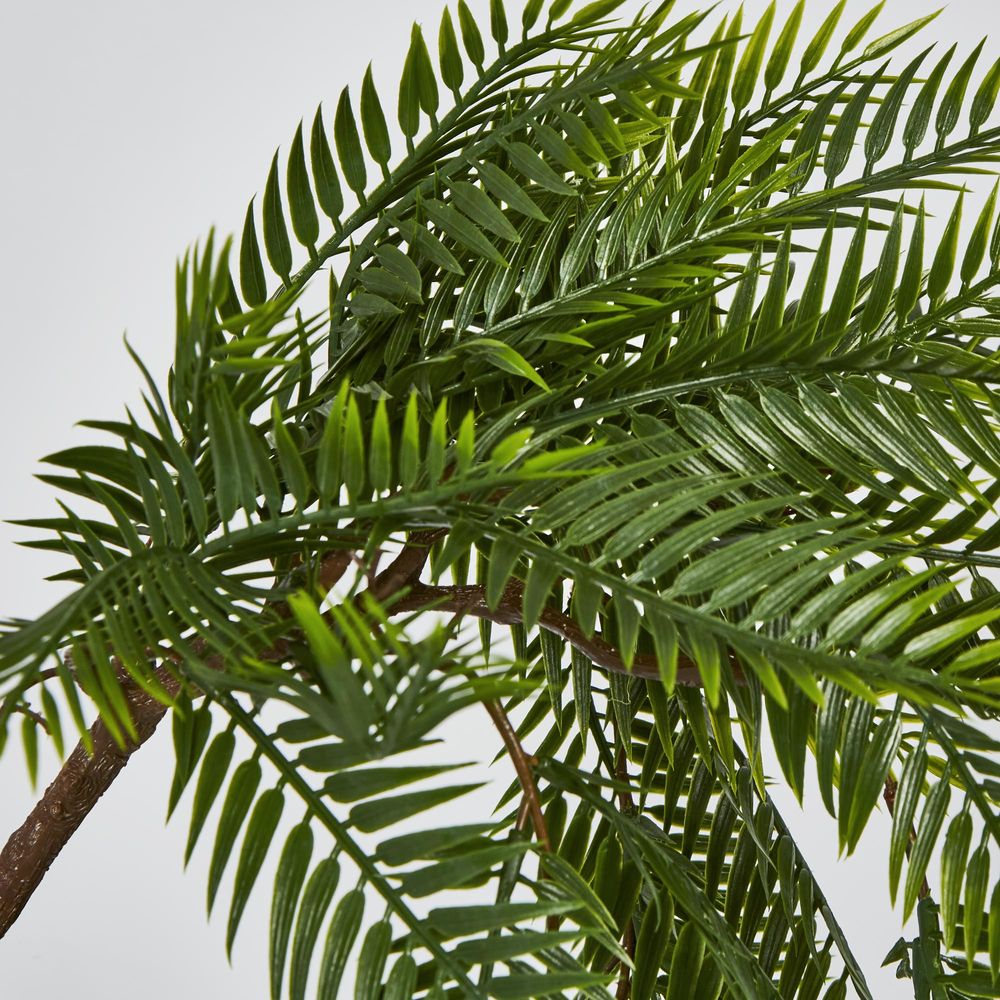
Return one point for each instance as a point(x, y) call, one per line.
point(345, 134)
point(253, 283)
point(279, 250)
point(301, 206)
point(373, 122)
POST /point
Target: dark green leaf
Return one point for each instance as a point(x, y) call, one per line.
point(239, 798)
point(253, 283)
point(471, 36)
point(345, 134)
point(452, 70)
point(373, 122)
point(210, 778)
point(279, 250)
point(305, 222)
point(288, 882)
point(260, 833)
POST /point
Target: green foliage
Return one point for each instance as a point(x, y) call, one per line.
point(639, 348)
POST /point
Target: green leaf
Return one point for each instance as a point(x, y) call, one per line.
point(305, 222)
point(951, 104)
point(985, 99)
point(976, 885)
point(190, 731)
point(685, 963)
point(944, 259)
point(373, 122)
point(425, 844)
point(340, 940)
point(460, 228)
point(348, 141)
point(979, 240)
point(869, 785)
point(464, 921)
point(371, 961)
point(846, 293)
point(526, 161)
point(253, 283)
point(936, 640)
point(328, 192)
point(839, 149)
point(929, 827)
point(213, 772)
point(357, 784)
point(817, 46)
point(279, 250)
point(993, 932)
point(504, 188)
point(452, 70)
point(328, 464)
point(260, 833)
point(911, 280)
point(522, 986)
point(423, 72)
point(371, 816)
point(380, 452)
point(401, 982)
point(884, 284)
point(856, 35)
point(292, 467)
point(529, 15)
point(291, 874)
point(777, 64)
point(883, 125)
point(504, 357)
point(920, 114)
point(471, 36)
point(954, 859)
point(29, 744)
point(748, 71)
point(498, 23)
point(315, 902)
point(477, 205)
point(239, 798)
point(884, 45)
point(454, 873)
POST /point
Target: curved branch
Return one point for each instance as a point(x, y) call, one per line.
point(522, 765)
point(471, 600)
point(85, 777)
point(81, 781)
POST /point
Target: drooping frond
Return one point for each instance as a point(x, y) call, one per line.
point(639, 349)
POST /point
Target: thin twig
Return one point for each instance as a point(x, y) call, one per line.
point(36, 718)
point(471, 600)
point(625, 976)
point(522, 765)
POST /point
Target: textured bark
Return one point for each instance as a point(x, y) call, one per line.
point(82, 780)
point(78, 786)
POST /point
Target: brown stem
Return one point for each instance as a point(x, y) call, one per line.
point(522, 765)
point(36, 718)
point(84, 778)
point(81, 781)
point(406, 568)
point(471, 600)
point(625, 976)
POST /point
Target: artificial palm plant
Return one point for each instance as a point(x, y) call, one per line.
point(637, 355)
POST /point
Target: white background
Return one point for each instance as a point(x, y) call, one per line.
point(128, 129)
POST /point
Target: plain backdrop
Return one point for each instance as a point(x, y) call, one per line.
point(129, 128)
